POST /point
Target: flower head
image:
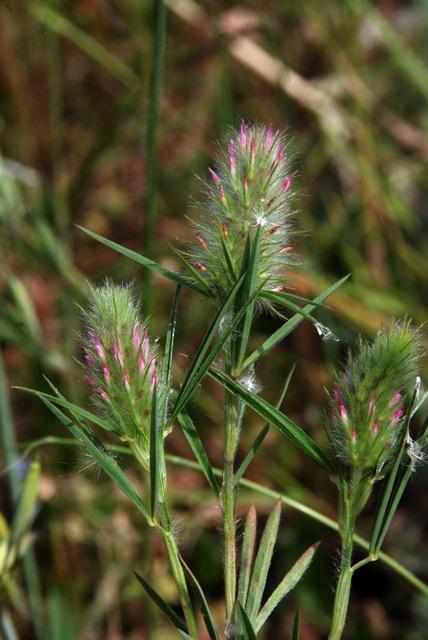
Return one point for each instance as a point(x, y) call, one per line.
point(368, 403)
point(122, 365)
point(250, 189)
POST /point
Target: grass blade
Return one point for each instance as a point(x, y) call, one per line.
point(101, 455)
point(163, 606)
point(247, 555)
point(263, 433)
point(295, 628)
point(169, 341)
point(283, 300)
point(206, 613)
point(192, 437)
point(262, 562)
point(281, 422)
point(246, 296)
point(156, 442)
point(247, 627)
point(27, 502)
point(286, 585)
point(146, 262)
point(290, 325)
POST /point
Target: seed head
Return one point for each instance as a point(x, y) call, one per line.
point(250, 189)
point(122, 366)
point(368, 403)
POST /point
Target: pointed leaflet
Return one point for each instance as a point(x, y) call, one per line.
point(246, 294)
point(27, 502)
point(146, 262)
point(281, 422)
point(290, 325)
point(295, 629)
point(262, 563)
point(206, 613)
point(101, 455)
point(283, 300)
point(263, 433)
point(247, 555)
point(169, 343)
point(286, 585)
point(198, 449)
point(163, 606)
point(200, 362)
point(247, 628)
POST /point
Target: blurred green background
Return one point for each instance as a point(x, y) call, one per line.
point(109, 111)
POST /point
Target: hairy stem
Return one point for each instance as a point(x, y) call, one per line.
point(228, 496)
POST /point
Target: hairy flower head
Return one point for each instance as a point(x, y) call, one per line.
point(370, 398)
point(122, 365)
point(250, 189)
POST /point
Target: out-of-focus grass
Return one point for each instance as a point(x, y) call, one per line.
point(349, 81)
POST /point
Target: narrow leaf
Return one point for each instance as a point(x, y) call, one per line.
point(246, 294)
point(169, 341)
point(247, 627)
point(295, 628)
point(163, 606)
point(263, 433)
point(286, 585)
point(156, 442)
point(247, 555)
point(146, 262)
point(281, 422)
point(206, 613)
point(27, 502)
point(283, 300)
point(262, 563)
point(195, 442)
point(101, 455)
point(290, 325)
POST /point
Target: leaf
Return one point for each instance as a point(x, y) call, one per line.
point(156, 448)
point(290, 325)
point(283, 300)
point(281, 422)
point(27, 502)
point(246, 296)
point(200, 364)
point(249, 633)
point(163, 606)
point(146, 262)
point(195, 442)
point(286, 585)
point(295, 628)
point(101, 455)
point(263, 433)
point(247, 555)
point(206, 613)
point(262, 563)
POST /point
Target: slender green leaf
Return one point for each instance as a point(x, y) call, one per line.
point(184, 635)
point(196, 275)
point(286, 585)
point(156, 444)
point(146, 262)
point(283, 300)
point(290, 325)
point(263, 433)
point(198, 367)
point(281, 422)
point(163, 606)
point(247, 555)
point(100, 454)
point(246, 294)
point(206, 613)
point(295, 628)
point(195, 442)
point(262, 563)
point(26, 307)
point(27, 502)
point(169, 341)
point(247, 627)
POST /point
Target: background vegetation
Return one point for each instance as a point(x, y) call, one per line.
point(108, 110)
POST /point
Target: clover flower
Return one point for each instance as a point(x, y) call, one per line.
point(370, 397)
point(122, 365)
point(249, 189)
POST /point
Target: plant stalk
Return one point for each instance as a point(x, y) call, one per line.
point(228, 496)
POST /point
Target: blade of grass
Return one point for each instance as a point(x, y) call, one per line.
point(163, 606)
point(198, 449)
point(146, 262)
point(27, 502)
point(247, 555)
point(169, 341)
point(288, 583)
point(246, 294)
point(281, 422)
point(289, 326)
point(85, 43)
point(263, 433)
point(247, 627)
point(282, 299)
point(206, 613)
point(156, 442)
point(262, 563)
point(295, 628)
